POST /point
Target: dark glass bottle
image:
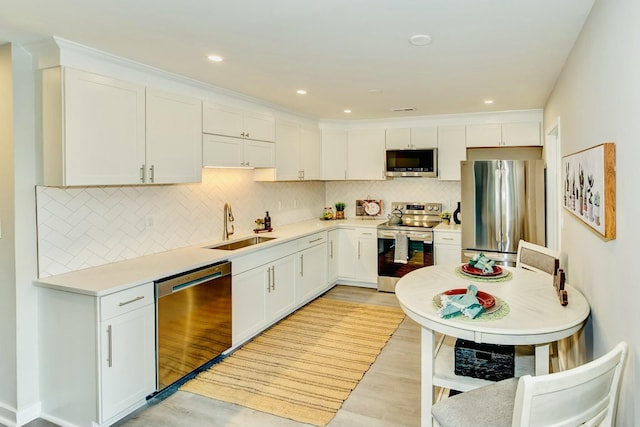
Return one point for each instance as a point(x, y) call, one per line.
point(267, 221)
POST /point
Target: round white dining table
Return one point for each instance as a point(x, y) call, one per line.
point(534, 315)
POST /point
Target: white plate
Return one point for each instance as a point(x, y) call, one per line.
point(372, 208)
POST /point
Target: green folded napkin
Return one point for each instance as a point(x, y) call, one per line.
point(481, 262)
point(466, 304)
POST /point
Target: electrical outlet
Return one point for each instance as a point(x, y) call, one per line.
point(279, 205)
point(295, 204)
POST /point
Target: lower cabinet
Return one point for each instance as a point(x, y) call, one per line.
point(359, 255)
point(447, 247)
point(311, 267)
point(333, 255)
point(99, 354)
point(260, 296)
point(127, 346)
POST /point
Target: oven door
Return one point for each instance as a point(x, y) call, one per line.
point(419, 254)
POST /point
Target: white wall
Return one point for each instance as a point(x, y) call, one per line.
point(8, 378)
point(597, 98)
point(19, 391)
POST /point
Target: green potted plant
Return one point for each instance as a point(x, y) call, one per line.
point(340, 210)
point(446, 217)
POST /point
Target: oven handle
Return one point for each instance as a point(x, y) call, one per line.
point(423, 237)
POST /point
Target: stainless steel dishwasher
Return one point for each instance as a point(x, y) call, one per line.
point(193, 320)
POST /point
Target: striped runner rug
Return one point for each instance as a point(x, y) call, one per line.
point(305, 366)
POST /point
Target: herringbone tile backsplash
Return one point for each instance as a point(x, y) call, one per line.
point(90, 226)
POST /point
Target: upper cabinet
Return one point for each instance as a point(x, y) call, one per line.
point(298, 153)
point(365, 154)
point(353, 155)
point(506, 134)
point(451, 151)
point(231, 121)
point(410, 138)
point(173, 138)
point(227, 152)
point(334, 154)
point(98, 130)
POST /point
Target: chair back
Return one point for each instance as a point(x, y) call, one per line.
point(585, 395)
point(537, 258)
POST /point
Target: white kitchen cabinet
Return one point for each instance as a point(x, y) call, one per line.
point(310, 153)
point(505, 134)
point(358, 255)
point(311, 267)
point(366, 154)
point(280, 299)
point(264, 293)
point(173, 138)
point(102, 349)
point(333, 256)
point(451, 151)
point(447, 246)
point(298, 153)
point(248, 303)
point(93, 129)
point(412, 138)
point(102, 131)
point(334, 154)
point(224, 151)
point(127, 362)
point(226, 120)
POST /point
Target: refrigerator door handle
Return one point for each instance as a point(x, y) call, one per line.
point(498, 204)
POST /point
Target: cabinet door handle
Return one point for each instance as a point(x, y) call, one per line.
point(273, 277)
point(331, 249)
point(142, 173)
point(246, 134)
point(110, 345)
point(269, 279)
point(131, 300)
point(151, 173)
point(315, 240)
point(358, 249)
point(301, 265)
point(447, 238)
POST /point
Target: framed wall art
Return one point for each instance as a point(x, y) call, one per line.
point(590, 188)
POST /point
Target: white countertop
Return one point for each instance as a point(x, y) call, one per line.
point(451, 227)
point(118, 276)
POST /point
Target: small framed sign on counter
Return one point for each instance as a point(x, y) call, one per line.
point(590, 188)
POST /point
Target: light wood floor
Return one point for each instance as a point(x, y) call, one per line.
point(387, 396)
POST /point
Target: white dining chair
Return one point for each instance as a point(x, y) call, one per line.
point(585, 395)
point(537, 258)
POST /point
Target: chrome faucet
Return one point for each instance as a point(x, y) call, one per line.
point(228, 218)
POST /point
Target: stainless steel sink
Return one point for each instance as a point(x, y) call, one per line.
point(239, 244)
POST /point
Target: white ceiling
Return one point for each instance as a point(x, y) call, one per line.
point(338, 50)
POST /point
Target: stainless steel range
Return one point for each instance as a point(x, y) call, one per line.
point(405, 242)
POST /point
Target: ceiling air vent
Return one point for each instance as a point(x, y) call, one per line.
point(403, 109)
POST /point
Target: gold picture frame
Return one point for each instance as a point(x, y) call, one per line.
point(589, 188)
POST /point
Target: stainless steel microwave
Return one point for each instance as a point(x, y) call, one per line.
point(419, 162)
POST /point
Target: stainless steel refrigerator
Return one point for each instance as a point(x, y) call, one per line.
point(503, 201)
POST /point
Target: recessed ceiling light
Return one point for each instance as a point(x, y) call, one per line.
point(488, 101)
point(347, 111)
point(420, 39)
point(301, 92)
point(215, 58)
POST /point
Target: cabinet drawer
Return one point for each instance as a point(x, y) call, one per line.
point(446, 238)
point(312, 240)
point(126, 301)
